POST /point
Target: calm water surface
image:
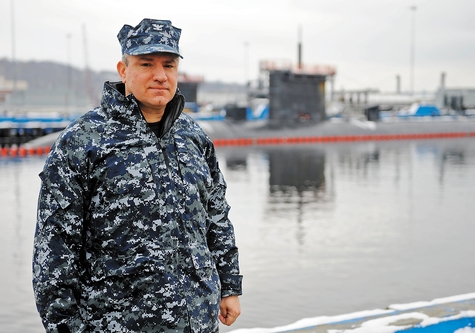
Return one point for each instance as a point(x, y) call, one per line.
point(322, 229)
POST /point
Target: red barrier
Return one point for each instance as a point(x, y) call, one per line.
point(13, 151)
point(23, 152)
point(339, 138)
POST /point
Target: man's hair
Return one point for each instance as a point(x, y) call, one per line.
point(125, 59)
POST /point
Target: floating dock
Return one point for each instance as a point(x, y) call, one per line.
point(444, 315)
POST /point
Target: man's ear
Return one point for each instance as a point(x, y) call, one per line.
point(121, 67)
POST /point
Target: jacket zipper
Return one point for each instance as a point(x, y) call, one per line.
point(165, 156)
point(175, 256)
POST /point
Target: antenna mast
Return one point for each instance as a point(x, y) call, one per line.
point(300, 48)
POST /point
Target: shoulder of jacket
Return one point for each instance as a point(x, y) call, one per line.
point(81, 133)
point(189, 125)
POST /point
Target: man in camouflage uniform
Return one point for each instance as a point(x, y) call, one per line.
point(132, 231)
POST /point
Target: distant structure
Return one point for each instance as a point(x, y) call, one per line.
point(8, 86)
point(454, 99)
point(188, 86)
point(3, 93)
point(296, 93)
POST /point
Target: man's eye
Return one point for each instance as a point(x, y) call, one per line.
point(146, 64)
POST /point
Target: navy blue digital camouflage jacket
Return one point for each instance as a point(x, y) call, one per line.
point(132, 230)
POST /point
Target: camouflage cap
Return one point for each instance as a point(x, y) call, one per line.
point(149, 36)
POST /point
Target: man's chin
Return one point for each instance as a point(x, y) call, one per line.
point(160, 101)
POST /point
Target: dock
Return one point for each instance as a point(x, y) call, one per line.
point(443, 315)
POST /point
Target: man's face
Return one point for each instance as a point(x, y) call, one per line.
point(152, 78)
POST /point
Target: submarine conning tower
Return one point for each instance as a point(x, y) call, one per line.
point(296, 93)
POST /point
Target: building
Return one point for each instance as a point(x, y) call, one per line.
point(296, 93)
point(454, 99)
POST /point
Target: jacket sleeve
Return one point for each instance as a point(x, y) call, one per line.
point(221, 238)
point(57, 245)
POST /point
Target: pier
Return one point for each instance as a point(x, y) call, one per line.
point(16, 131)
point(440, 315)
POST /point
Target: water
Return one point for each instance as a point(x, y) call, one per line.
point(322, 229)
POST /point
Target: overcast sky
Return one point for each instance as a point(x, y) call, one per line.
point(367, 41)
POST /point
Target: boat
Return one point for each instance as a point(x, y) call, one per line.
point(416, 110)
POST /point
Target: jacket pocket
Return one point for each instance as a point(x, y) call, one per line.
point(106, 267)
point(54, 195)
point(193, 167)
point(202, 257)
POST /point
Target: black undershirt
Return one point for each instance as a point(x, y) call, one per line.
point(156, 128)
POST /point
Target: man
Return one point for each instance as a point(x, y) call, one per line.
point(132, 231)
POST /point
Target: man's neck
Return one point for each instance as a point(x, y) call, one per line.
point(153, 116)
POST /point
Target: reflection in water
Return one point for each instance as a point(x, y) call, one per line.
point(296, 168)
point(236, 162)
point(323, 229)
point(296, 178)
point(331, 229)
point(18, 189)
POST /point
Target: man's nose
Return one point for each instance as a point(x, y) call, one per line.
point(159, 74)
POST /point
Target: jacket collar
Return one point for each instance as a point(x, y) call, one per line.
point(126, 108)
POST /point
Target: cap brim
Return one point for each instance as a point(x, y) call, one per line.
point(147, 49)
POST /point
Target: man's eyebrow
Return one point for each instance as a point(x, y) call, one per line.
point(171, 60)
point(145, 58)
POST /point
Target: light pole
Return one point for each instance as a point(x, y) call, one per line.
point(413, 42)
point(12, 16)
point(68, 74)
point(246, 63)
